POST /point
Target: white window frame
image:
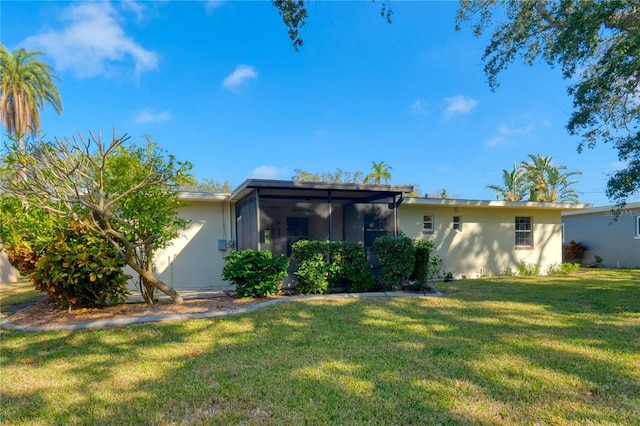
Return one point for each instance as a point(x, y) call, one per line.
point(637, 222)
point(457, 224)
point(519, 231)
point(426, 229)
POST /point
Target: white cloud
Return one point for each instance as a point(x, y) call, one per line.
point(269, 172)
point(92, 41)
point(419, 107)
point(241, 75)
point(146, 115)
point(460, 104)
point(504, 132)
point(138, 8)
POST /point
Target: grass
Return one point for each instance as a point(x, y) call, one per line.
point(13, 294)
point(499, 351)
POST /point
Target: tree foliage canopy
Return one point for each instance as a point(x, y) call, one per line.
point(209, 185)
point(338, 176)
point(124, 193)
point(597, 45)
point(294, 15)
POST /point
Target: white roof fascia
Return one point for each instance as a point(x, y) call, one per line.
point(494, 204)
point(202, 196)
point(604, 209)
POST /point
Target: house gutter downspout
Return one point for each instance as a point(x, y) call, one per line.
point(395, 213)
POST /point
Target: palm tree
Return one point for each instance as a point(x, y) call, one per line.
point(547, 182)
point(26, 85)
point(513, 185)
point(560, 186)
point(536, 175)
point(379, 172)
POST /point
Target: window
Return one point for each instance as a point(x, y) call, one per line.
point(427, 223)
point(457, 224)
point(637, 227)
point(524, 232)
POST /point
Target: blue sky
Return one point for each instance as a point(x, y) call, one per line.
point(220, 85)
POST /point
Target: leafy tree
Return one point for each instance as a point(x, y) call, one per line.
point(26, 85)
point(379, 172)
point(209, 185)
point(294, 15)
point(339, 176)
point(417, 191)
point(126, 194)
point(597, 45)
point(512, 188)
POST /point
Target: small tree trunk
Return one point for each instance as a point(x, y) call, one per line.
point(154, 281)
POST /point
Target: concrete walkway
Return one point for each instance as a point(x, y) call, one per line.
point(118, 322)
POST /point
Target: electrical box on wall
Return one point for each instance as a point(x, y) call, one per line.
point(231, 243)
point(222, 245)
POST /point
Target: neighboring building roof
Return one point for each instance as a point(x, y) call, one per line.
point(603, 209)
point(459, 202)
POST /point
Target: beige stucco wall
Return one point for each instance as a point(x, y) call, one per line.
point(487, 240)
point(193, 260)
point(486, 243)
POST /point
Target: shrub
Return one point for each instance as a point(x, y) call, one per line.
point(573, 252)
point(255, 273)
point(352, 259)
point(528, 269)
point(563, 269)
point(22, 256)
point(397, 259)
point(325, 263)
point(81, 268)
point(427, 265)
point(313, 266)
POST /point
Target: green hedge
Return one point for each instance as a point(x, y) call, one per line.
point(403, 259)
point(255, 273)
point(322, 264)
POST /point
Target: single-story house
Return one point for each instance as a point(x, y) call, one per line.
point(472, 237)
point(614, 238)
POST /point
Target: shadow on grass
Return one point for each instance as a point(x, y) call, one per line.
point(496, 352)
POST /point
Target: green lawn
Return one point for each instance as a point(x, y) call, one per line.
point(502, 351)
point(14, 295)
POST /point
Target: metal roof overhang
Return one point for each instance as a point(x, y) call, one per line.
point(352, 192)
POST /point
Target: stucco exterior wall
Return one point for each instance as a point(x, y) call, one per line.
point(613, 240)
point(486, 243)
point(193, 260)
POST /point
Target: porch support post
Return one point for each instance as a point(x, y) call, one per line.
point(330, 218)
point(395, 217)
point(258, 217)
